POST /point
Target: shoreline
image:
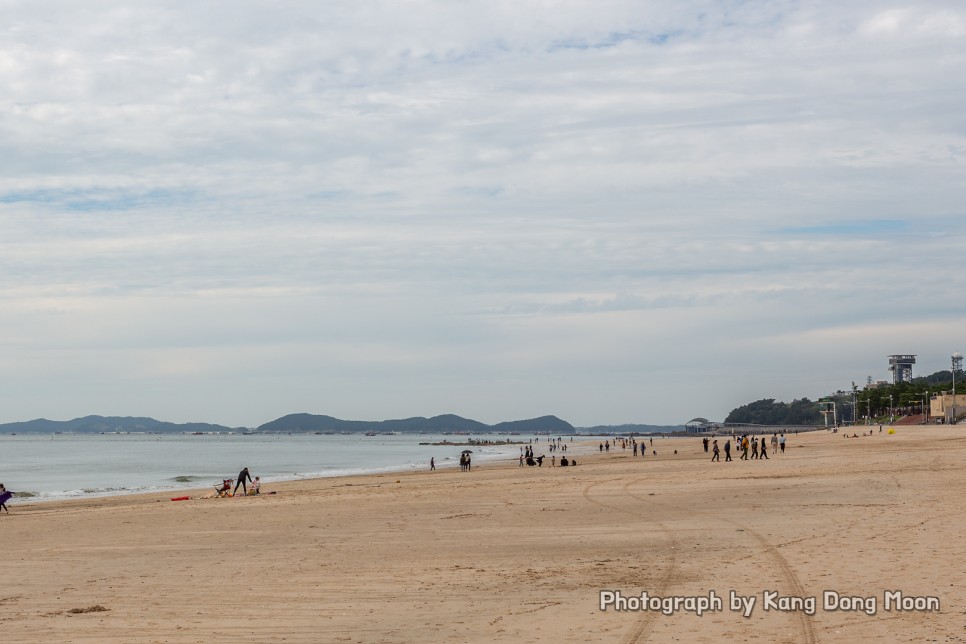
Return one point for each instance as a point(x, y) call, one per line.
point(584, 447)
point(503, 553)
point(197, 492)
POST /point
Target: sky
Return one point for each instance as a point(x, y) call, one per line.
point(613, 212)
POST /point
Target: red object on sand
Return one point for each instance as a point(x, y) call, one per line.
point(181, 498)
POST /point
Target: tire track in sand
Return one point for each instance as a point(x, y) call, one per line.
point(788, 573)
point(642, 629)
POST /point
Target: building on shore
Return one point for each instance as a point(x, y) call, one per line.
point(901, 367)
point(943, 406)
point(699, 426)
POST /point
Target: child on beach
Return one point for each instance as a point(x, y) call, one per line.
point(4, 497)
point(256, 486)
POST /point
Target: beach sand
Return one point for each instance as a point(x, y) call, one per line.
point(509, 554)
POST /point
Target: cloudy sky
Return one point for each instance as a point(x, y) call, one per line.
point(615, 212)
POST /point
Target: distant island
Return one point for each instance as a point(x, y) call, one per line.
point(436, 424)
point(109, 424)
point(315, 423)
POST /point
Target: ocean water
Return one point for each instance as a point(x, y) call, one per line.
point(42, 467)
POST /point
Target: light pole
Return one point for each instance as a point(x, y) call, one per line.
point(925, 416)
point(957, 365)
point(891, 417)
point(855, 407)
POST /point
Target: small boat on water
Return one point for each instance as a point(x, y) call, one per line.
point(371, 434)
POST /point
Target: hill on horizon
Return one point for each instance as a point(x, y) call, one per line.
point(631, 429)
point(436, 424)
point(304, 422)
point(98, 424)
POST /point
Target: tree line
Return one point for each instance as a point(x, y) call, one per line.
point(879, 402)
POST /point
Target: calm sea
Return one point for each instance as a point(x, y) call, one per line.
point(59, 466)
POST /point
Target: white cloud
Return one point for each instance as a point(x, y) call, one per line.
point(491, 209)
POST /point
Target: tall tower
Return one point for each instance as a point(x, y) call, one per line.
point(901, 368)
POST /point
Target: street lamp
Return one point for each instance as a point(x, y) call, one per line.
point(957, 365)
point(891, 416)
point(855, 407)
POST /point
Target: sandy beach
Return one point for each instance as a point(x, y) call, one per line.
point(509, 554)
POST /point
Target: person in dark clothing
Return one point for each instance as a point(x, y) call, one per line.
point(717, 454)
point(5, 496)
point(241, 481)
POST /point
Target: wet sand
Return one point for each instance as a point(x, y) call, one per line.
point(509, 554)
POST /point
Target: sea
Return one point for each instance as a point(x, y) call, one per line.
point(43, 467)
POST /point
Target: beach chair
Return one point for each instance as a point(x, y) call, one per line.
point(225, 488)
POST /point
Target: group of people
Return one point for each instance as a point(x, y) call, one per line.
point(557, 444)
point(759, 448)
point(625, 443)
point(526, 456)
point(466, 462)
point(244, 477)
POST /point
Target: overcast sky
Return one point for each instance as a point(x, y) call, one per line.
point(614, 212)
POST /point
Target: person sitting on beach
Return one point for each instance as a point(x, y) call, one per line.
point(564, 462)
point(256, 486)
point(225, 487)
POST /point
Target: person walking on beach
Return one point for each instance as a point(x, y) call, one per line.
point(727, 450)
point(4, 497)
point(714, 448)
point(781, 443)
point(774, 443)
point(432, 463)
point(241, 481)
point(764, 449)
point(705, 441)
point(754, 447)
point(744, 448)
